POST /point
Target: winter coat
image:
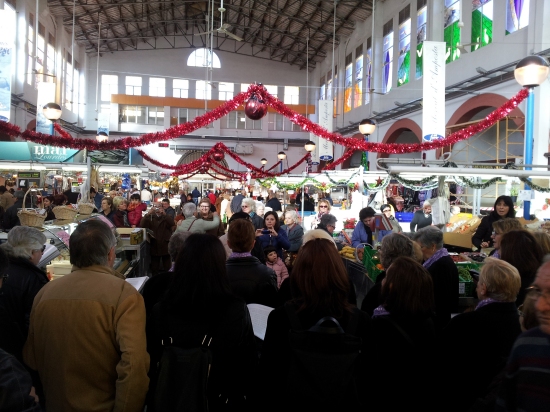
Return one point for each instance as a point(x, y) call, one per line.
point(162, 227)
point(252, 281)
point(279, 242)
point(280, 270)
point(136, 213)
point(295, 236)
point(87, 341)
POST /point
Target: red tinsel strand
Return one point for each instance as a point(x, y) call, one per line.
point(393, 148)
point(62, 132)
point(10, 129)
point(304, 123)
point(345, 157)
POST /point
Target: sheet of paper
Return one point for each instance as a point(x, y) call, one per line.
point(49, 254)
point(258, 315)
point(137, 282)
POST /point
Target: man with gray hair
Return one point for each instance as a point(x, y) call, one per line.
point(193, 224)
point(87, 331)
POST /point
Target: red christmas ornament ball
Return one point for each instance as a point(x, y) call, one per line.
point(255, 109)
point(218, 156)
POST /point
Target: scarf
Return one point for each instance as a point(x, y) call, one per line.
point(435, 257)
point(486, 302)
point(496, 255)
point(380, 311)
point(239, 255)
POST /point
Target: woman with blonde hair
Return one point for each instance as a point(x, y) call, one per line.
point(500, 227)
point(493, 325)
point(324, 207)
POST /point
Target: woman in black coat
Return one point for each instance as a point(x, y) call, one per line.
point(503, 208)
point(199, 302)
point(443, 271)
point(24, 280)
point(493, 326)
point(403, 334)
point(320, 288)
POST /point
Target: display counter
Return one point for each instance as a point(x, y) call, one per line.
point(132, 257)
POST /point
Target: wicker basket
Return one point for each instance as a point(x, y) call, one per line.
point(30, 218)
point(65, 212)
point(86, 208)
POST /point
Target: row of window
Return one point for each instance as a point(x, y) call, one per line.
point(180, 88)
point(517, 17)
point(153, 115)
point(42, 68)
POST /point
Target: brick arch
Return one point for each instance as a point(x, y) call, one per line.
point(395, 131)
point(474, 105)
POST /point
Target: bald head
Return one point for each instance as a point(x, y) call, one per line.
point(542, 303)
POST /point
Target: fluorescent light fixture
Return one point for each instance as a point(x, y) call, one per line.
point(21, 166)
point(466, 171)
point(120, 169)
point(75, 168)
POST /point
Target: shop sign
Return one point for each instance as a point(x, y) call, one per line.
point(326, 118)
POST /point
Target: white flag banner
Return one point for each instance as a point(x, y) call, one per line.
point(103, 123)
point(46, 94)
point(6, 51)
point(314, 153)
point(433, 111)
point(326, 115)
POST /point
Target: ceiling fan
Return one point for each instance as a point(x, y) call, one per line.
point(223, 27)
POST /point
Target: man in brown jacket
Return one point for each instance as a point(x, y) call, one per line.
point(163, 227)
point(87, 332)
point(6, 198)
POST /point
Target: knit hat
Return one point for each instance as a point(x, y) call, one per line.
point(269, 249)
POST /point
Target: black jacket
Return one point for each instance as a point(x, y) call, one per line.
point(276, 357)
point(10, 217)
point(15, 386)
point(445, 279)
point(274, 204)
point(16, 298)
point(252, 281)
point(419, 221)
point(484, 230)
point(403, 365)
point(233, 347)
point(492, 329)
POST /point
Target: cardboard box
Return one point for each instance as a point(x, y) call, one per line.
point(136, 237)
point(462, 235)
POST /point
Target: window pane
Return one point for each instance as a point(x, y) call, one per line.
point(387, 63)
point(292, 95)
point(517, 15)
point(203, 90)
point(109, 85)
point(180, 88)
point(157, 86)
point(225, 90)
point(404, 61)
point(482, 24)
point(272, 90)
point(203, 58)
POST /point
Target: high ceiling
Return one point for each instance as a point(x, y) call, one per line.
point(276, 30)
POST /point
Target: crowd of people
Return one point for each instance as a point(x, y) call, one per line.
point(90, 341)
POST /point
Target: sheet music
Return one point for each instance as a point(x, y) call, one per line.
point(137, 282)
point(258, 315)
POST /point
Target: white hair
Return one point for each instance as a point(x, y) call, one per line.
point(22, 240)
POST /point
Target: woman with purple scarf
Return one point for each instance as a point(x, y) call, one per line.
point(493, 326)
point(443, 271)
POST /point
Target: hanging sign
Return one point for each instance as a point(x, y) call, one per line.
point(6, 51)
point(433, 112)
point(326, 115)
point(46, 94)
point(103, 123)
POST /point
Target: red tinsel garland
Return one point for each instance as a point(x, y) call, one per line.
point(345, 157)
point(66, 140)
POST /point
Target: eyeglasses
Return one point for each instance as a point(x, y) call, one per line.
point(534, 293)
point(244, 207)
point(495, 233)
point(323, 207)
point(41, 250)
point(204, 206)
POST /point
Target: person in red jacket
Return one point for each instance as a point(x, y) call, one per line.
point(135, 210)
